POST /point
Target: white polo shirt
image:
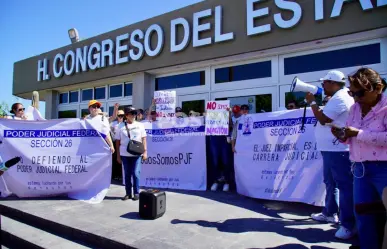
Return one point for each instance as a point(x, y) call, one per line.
point(336, 109)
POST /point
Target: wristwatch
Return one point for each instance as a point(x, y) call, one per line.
point(313, 103)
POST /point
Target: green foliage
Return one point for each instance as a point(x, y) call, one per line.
point(3, 109)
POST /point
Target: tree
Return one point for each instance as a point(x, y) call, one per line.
point(3, 109)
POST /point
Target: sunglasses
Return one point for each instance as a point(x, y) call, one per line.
point(94, 106)
point(358, 94)
point(121, 116)
point(21, 109)
point(291, 107)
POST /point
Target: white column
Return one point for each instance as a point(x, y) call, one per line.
point(51, 99)
point(143, 89)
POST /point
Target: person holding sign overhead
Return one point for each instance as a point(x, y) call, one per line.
point(336, 164)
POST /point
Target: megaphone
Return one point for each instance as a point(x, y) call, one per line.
point(300, 86)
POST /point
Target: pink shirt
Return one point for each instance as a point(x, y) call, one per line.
point(371, 142)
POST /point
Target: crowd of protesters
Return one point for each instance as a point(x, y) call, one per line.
point(351, 134)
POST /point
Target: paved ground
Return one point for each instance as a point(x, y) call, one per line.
point(193, 220)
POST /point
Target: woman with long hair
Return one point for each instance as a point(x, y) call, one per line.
point(366, 134)
point(17, 110)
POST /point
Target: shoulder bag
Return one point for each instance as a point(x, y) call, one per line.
point(134, 147)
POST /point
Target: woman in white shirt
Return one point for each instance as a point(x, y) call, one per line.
point(132, 163)
point(18, 112)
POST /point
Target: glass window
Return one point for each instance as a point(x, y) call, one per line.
point(67, 114)
point(194, 105)
point(181, 80)
point(87, 94)
point(128, 89)
point(348, 57)
point(74, 97)
point(257, 103)
point(122, 107)
point(99, 93)
point(115, 91)
point(298, 98)
point(63, 98)
point(243, 72)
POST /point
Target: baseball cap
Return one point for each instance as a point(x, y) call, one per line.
point(120, 112)
point(94, 102)
point(334, 75)
point(236, 109)
point(130, 110)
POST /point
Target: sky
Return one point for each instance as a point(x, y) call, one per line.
point(29, 28)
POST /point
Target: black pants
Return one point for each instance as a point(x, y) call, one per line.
point(116, 167)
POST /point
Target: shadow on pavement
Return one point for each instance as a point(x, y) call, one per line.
point(281, 227)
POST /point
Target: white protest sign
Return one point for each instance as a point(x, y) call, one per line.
point(58, 157)
point(217, 118)
point(176, 156)
point(277, 160)
point(165, 103)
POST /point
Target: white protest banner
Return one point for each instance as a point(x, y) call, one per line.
point(278, 160)
point(217, 118)
point(165, 103)
point(247, 100)
point(176, 155)
point(58, 157)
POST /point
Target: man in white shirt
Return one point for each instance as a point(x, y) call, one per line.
point(336, 163)
point(100, 122)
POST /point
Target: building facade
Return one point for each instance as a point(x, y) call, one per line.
point(213, 50)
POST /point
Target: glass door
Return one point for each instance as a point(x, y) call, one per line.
point(259, 100)
point(192, 102)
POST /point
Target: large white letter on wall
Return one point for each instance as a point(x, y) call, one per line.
point(336, 11)
point(91, 56)
point(318, 10)
point(197, 28)
point(107, 51)
point(219, 37)
point(69, 60)
point(55, 66)
point(174, 23)
point(160, 40)
point(81, 59)
point(43, 70)
point(252, 14)
point(137, 33)
point(121, 48)
point(292, 6)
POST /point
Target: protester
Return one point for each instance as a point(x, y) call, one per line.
point(337, 167)
point(17, 110)
point(140, 115)
point(115, 113)
point(325, 100)
point(100, 122)
point(131, 130)
point(366, 134)
point(292, 104)
point(117, 167)
point(244, 111)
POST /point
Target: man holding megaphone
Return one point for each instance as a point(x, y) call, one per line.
point(336, 163)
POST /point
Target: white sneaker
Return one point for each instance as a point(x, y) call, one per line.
point(214, 187)
point(226, 187)
point(322, 217)
point(344, 233)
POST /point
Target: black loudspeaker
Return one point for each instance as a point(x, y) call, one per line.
point(152, 204)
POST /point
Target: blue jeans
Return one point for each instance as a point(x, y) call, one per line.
point(367, 189)
point(132, 168)
point(221, 155)
point(338, 180)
